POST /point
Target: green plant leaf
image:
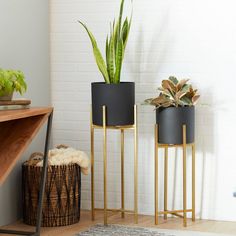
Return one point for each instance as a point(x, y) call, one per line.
point(115, 34)
point(120, 17)
point(111, 60)
point(124, 31)
point(107, 49)
point(97, 54)
point(10, 81)
point(119, 59)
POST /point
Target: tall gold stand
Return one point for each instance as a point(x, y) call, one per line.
point(104, 127)
point(184, 210)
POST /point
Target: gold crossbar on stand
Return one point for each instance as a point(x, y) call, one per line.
point(122, 129)
point(184, 210)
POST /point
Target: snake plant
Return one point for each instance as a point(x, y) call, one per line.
point(175, 93)
point(10, 81)
point(115, 48)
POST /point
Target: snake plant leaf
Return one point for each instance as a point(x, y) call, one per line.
point(115, 35)
point(120, 17)
point(111, 60)
point(119, 59)
point(107, 49)
point(97, 54)
point(124, 31)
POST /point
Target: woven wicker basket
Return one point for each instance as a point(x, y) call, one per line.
point(61, 205)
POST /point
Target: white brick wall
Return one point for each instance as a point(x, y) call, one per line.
point(186, 38)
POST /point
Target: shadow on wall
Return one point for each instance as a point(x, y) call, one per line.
point(206, 163)
point(205, 148)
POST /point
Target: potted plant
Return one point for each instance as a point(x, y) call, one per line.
point(11, 81)
point(118, 97)
point(174, 108)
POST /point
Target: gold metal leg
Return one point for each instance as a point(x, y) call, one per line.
point(156, 174)
point(105, 162)
point(92, 166)
point(166, 182)
point(184, 178)
point(193, 182)
point(122, 175)
point(135, 165)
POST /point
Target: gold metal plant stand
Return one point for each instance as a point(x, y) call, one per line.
point(184, 210)
point(104, 127)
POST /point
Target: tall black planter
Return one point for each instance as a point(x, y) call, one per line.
point(170, 124)
point(119, 100)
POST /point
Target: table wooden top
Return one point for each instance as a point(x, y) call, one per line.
point(8, 115)
point(17, 130)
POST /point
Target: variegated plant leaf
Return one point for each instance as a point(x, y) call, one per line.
point(174, 80)
point(174, 93)
point(181, 84)
point(180, 94)
point(195, 99)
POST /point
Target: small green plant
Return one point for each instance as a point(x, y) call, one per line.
point(175, 93)
point(115, 48)
point(10, 81)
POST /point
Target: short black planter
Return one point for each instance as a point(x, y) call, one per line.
point(119, 100)
point(170, 124)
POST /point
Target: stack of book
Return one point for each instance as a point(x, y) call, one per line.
point(15, 104)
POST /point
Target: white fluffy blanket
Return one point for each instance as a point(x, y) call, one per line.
point(66, 156)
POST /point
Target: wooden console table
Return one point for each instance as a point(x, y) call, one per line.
point(17, 130)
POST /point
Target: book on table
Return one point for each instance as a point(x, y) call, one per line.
point(15, 104)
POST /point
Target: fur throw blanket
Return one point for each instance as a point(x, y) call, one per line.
point(63, 155)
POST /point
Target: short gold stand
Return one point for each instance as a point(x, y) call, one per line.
point(122, 129)
point(185, 210)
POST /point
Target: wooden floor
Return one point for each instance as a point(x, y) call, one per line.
point(144, 221)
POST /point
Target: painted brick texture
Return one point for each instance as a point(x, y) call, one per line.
point(186, 38)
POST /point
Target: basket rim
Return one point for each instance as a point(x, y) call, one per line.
point(25, 164)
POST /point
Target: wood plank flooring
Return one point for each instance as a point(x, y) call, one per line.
point(144, 221)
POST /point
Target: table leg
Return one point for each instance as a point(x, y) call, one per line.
point(43, 175)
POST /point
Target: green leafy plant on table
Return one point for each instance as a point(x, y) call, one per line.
point(115, 48)
point(174, 93)
point(12, 81)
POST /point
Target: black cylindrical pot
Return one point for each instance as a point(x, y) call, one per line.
point(170, 122)
point(119, 100)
